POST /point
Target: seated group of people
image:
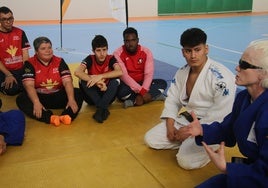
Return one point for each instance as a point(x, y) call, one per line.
point(203, 87)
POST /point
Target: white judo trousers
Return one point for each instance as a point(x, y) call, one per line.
point(189, 156)
point(211, 99)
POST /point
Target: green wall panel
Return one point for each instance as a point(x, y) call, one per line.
point(214, 6)
point(245, 4)
point(230, 5)
point(182, 6)
point(166, 7)
point(199, 6)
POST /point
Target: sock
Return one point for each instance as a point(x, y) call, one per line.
point(55, 120)
point(66, 119)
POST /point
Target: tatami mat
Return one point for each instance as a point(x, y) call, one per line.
point(110, 168)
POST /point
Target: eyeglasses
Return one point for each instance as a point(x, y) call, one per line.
point(245, 65)
point(10, 19)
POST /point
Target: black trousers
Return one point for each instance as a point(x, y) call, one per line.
point(56, 100)
point(156, 88)
point(17, 87)
point(101, 99)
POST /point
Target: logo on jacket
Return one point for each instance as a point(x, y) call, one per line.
point(12, 50)
point(140, 61)
point(221, 86)
point(49, 84)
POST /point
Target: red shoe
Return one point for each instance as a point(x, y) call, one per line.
point(66, 119)
point(55, 120)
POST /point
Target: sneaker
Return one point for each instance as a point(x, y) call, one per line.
point(160, 97)
point(128, 103)
point(98, 115)
point(66, 119)
point(55, 120)
point(105, 114)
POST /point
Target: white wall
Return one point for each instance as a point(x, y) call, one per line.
point(78, 9)
point(88, 9)
point(260, 6)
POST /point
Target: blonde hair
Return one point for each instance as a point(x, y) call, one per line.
point(258, 51)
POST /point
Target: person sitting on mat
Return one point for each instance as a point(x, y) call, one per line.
point(137, 85)
point(99, 78)
point(48, 85)
point(14, 50)
point(202, 85)
point(12, 127)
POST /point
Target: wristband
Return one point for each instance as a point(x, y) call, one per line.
point(9, 75)
point(143, 91)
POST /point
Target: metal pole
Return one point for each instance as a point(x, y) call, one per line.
point(61, 3)
point(126, 12)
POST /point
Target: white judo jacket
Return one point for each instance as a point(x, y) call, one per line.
point(211, 98)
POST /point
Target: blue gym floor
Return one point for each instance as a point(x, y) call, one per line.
point(227, 38)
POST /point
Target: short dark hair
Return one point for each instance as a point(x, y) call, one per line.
point(130, 30)
point(5, 10)
point(40, 40)
point(99, 41)
point(193, 37)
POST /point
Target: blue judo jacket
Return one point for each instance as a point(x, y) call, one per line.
point(12, 126)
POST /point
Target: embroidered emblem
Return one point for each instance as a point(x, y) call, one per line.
point(221, 86)
point(140, 61)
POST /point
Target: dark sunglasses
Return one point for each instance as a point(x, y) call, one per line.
point(245, 65)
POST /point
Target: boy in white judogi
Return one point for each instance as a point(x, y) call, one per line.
point(203, 86)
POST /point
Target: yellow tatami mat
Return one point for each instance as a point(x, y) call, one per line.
point(88, 154)
point(110, 168)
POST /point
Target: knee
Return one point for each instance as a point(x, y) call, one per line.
point(149, 141)
point(184, 162)
point(190, 162)
point(12, 91)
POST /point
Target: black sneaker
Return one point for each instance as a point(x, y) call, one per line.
point(98, 116)
point(105, 114)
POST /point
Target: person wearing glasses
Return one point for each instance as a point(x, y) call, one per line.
point(14, 47)
point(246, 126)
point(202, 85)
point(137, 85)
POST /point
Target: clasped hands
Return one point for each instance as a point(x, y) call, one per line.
point(98, 81)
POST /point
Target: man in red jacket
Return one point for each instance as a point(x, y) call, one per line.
point(138, 86)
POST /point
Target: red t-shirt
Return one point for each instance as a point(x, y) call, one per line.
point(11, 46)
point(94, 68)
point(48, 79)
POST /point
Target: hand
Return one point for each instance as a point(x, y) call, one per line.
point(37, 109)
point(93, 80)
point(9, 81)
point(3, 145)
point(194, 128)
point(147, 97)
point(139, 100)
point(73, 105)
point(182, 134)
point(171, 132)
point(102, 85)
point(217, 157)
